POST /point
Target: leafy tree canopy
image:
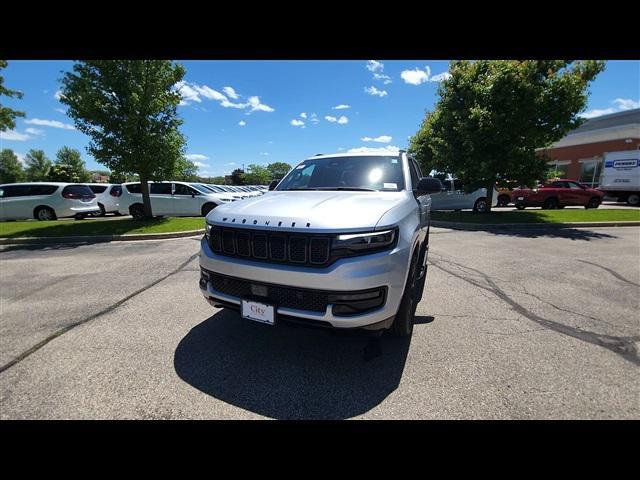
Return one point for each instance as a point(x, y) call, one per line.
point(7, 115)
point(11, 170)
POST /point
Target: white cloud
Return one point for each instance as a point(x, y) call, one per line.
point(314, 118)
point(201, 165)
point(196, 157)
point(21, 158)
point(598, 112)
point(34, 131)
point(342, 106)
point(60, 110)
point(192, 92)
point(50, 123)
point(15, 136)
point(57, 95)
point(242, 123)
point(416, 76)
point(342, 120)
point(374, 91)
point(440, 77)
point(297, 123)
point(264, 153)
point(329, 118)
point(230, 92)
point(254, 103)
point(387, 149)
point(380, 139)
point(303, 115)
point(230, 163)
point(374, 66)
point(386, 79)
point(626, 103)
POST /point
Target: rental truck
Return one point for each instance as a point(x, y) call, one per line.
point(621, 176)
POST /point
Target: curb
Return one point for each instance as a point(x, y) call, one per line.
point(527, 226)
point(98, 238)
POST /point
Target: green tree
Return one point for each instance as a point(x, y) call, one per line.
point(129, 110)
point(11, 170)
point(257, 175)
point(185, 170)
point(69, 167)
point(237, 177)
point(117, 177)
point(278, 170)
point(38, 166)
point(492, 115)
point(7, 115)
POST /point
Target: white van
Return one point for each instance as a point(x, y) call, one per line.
point(108, 196)
point(453, 197)
point(175, 199)
point(621, 176)
point(46, 201)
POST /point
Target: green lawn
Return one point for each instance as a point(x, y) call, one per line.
point(71, 228)
point(540, 216)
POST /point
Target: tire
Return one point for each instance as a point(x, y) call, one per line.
point(403, 323)
point(207, 207)
point(550, 204)
point(594, 202)
point(79, 216)
point(480, 206)
point(137, 210)
point(44, 214)
point(633, 199)
point(520, 207)
point(503, 200)
point(103, 212)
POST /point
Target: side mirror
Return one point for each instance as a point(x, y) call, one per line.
point(273, 184)
point(428, 185)
point(193, 195)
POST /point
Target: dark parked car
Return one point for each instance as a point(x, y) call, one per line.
point(558, 194)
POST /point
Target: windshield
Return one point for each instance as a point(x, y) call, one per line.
point(201, 188)
point(374, 173)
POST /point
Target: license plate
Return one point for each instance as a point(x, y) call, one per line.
point(258, 312)
point(520, 198)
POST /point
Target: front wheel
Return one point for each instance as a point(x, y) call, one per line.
point(207, 207)
point(503, 200)
point(633, 199)
point(520, 207)
point(403, 322)
point(550, 204)
point(481, 206)
point(136, 211)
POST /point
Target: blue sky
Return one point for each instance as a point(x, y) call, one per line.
point(242, 112)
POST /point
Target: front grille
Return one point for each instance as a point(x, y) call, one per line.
point(292, 248)
point(287, 297)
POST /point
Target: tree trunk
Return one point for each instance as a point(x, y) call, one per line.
point(490, 193)
point(146, 200)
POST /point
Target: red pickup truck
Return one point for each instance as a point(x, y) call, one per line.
point(558, 194)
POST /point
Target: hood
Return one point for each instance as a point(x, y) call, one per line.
point(310, 211)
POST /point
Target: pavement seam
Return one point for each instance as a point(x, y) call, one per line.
point(104, 311)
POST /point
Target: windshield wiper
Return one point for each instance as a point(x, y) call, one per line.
point(354, 189)
point(302, 188)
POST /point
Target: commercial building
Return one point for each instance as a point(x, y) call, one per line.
point(579, 154)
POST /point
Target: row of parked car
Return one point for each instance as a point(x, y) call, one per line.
point(52, 200)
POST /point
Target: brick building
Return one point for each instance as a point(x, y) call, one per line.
point(578, 156)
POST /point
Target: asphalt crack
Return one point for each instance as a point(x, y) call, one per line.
point(612, 272)
point(625, 347)
point(104, 311)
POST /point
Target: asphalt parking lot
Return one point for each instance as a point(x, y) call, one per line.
point(536, 324)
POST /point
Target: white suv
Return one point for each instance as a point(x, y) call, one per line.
point(108, 196)
point(46, 201)
point(176, 199)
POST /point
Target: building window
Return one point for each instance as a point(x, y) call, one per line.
point(559, 168)
point(590, 170)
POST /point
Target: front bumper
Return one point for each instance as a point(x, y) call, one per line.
point(384, 269)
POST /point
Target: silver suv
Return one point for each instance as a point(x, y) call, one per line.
point(341, 242)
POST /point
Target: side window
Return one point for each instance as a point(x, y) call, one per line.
point(98, 188)
point(160, 188)
point(42, 189)
point(183, 190)
point(133, 188)
point(1, 193)
point(574, 186)
point(16, 191)
point(446, 185)
point(458, 186)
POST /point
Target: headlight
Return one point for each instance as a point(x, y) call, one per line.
point(359, 243)
point(207, 230)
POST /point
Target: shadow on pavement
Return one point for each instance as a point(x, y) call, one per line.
point(288, 372)
point(570, 233)
point(44, 246)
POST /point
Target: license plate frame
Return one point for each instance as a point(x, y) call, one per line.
point(260, 312)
